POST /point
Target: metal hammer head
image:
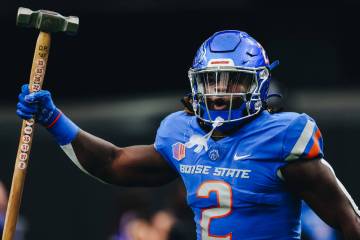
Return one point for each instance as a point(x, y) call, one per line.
point(47, 21)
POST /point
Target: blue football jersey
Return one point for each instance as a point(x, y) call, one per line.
point(233, 184)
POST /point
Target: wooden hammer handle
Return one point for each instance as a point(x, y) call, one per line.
point(22, 158)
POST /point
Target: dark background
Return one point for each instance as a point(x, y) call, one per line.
point(127, 68)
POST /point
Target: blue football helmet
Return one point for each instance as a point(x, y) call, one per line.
point(229, 77)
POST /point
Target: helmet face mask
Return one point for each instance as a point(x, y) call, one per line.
point(228, 92)
point(224, 81)
point(229, 77)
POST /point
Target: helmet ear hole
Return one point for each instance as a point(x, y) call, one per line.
point(264, 74)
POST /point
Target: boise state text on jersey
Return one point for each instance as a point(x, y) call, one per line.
point(234, 188)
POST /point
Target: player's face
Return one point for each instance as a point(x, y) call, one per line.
point(221, 88)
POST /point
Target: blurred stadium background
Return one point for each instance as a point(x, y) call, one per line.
point(127, 69)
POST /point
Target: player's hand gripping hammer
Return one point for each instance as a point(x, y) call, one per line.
point(47, 22)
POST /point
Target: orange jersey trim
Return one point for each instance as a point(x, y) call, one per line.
point(315, 149)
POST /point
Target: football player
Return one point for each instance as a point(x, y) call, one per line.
point(245, 169)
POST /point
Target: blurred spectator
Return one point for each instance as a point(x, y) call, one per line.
point(313, 228)
point(184, 228)
point(3, 205)
point(163, 221)
point(169, 219)
point(21, 224)
point(132, 227)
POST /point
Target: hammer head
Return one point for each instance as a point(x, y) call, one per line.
point(47, 21)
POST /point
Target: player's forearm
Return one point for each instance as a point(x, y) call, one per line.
point(347, 212)
point(315, 182)
point(347, 217)
point(94, 154)
point(343, 218)
point(350, 228)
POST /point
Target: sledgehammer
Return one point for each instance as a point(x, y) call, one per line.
point(47, 22)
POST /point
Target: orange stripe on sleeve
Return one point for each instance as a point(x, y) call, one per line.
point(315, 149)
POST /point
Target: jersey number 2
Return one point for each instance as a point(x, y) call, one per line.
point(224, 200)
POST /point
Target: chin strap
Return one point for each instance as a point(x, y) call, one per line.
point(201, 141)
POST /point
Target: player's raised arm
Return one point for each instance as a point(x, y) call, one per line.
point(316, 183)
point(129, 166)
